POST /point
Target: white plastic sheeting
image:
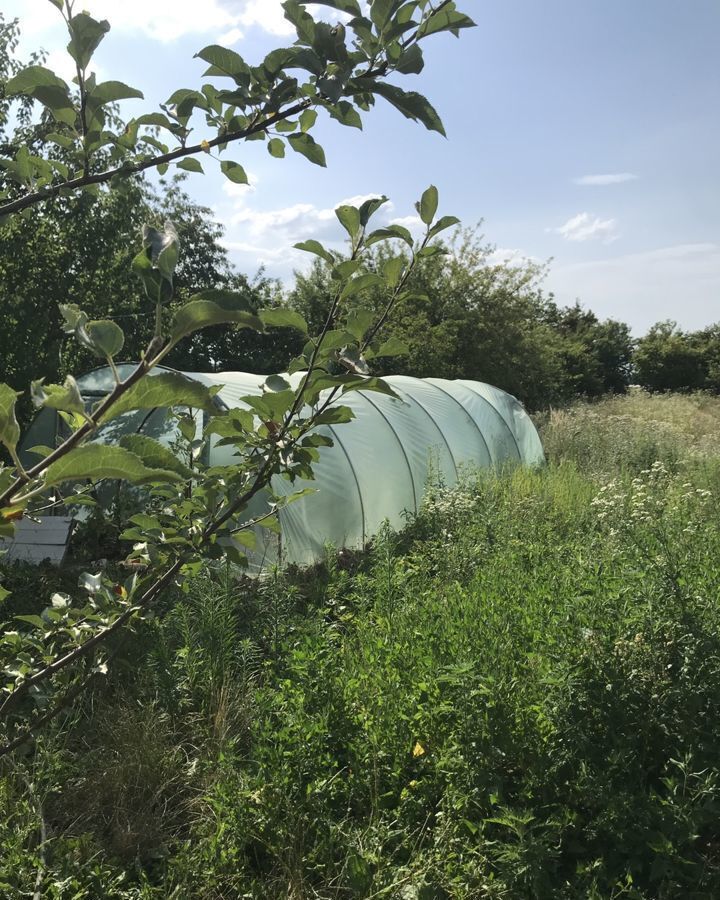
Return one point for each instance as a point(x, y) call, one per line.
point(381, 462)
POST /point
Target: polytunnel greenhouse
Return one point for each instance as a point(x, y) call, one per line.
point(379, 464)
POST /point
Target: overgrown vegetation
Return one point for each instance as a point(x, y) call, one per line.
point(517, 696)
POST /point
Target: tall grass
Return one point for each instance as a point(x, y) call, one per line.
point(518, 696)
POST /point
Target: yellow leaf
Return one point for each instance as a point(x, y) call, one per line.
point(418, 749)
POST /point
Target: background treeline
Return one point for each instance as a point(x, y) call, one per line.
point(470, 316)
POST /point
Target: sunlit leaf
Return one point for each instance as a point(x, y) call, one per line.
point(95, 462)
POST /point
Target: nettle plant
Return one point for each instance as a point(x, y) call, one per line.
point(196, 511)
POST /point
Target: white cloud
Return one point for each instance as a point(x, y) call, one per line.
point(680, 282)
point(503, 256)
point(412, 223)
point(586, 227)
point(167, 20)
point(601, 180)
point(266, 237)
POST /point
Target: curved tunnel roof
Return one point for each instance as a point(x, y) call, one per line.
point(381, 462)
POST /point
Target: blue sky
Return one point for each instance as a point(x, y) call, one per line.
point(586, 133)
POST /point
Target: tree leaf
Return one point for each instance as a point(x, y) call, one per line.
point(213, 307)
point(154, 454)
point(64, 397)
point(393, 347)
point(345, 113)
point(190, 164)
point(392, 231)
point(276, 148)
point(111, 91)
point(392, 270)
point(361, 283)
point(443, 223)
point(276, 383)
point(445, 20)
point(166, 390)
point(411, 62)
point(371, 384)
point(358, 322)
point(283, 318)
point(411, 104)
point(380, 13)
point(335, 415)
point(427, 207)
point(85, 36)
point(226, 61)
point(307, 119)
point(304, 23)
point(9, 428)
point(234, 171)
point(95, 462)
point(305, 144)
point(317, 248)
point(106, 338)
point(349, 218)
point(45, 87)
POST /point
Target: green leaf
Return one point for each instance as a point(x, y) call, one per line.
point(370, 207)
point(306, 145)
point(443, 223)
point(335, 415)
point(411, 104)
point(95, 462)
point(246, 538)
point(9, 428)
point(276, 148)
point(361, 283)
point(445, 20)
point(393, 347)
point(307, 119)
point(213, 307)
point(345, 113)
point(4, 594)
point(380, 13)
point(226, 61)
point(111, 91)
point(358, 322)
point(317, 248)
point(190, 164)
point(165, 390)
point(106, 338)
point(411, 62)
point(276, 383)
point(45, 87)
point(371, 384)
point(304, 24)
point(392, 231)
point(392, 270)
point(283, 318)
point(349, 218)
point(64, 397)
point(234, 171)
point(154, 454)
point(85, 36)
point(427, 207)
point(163, 247)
